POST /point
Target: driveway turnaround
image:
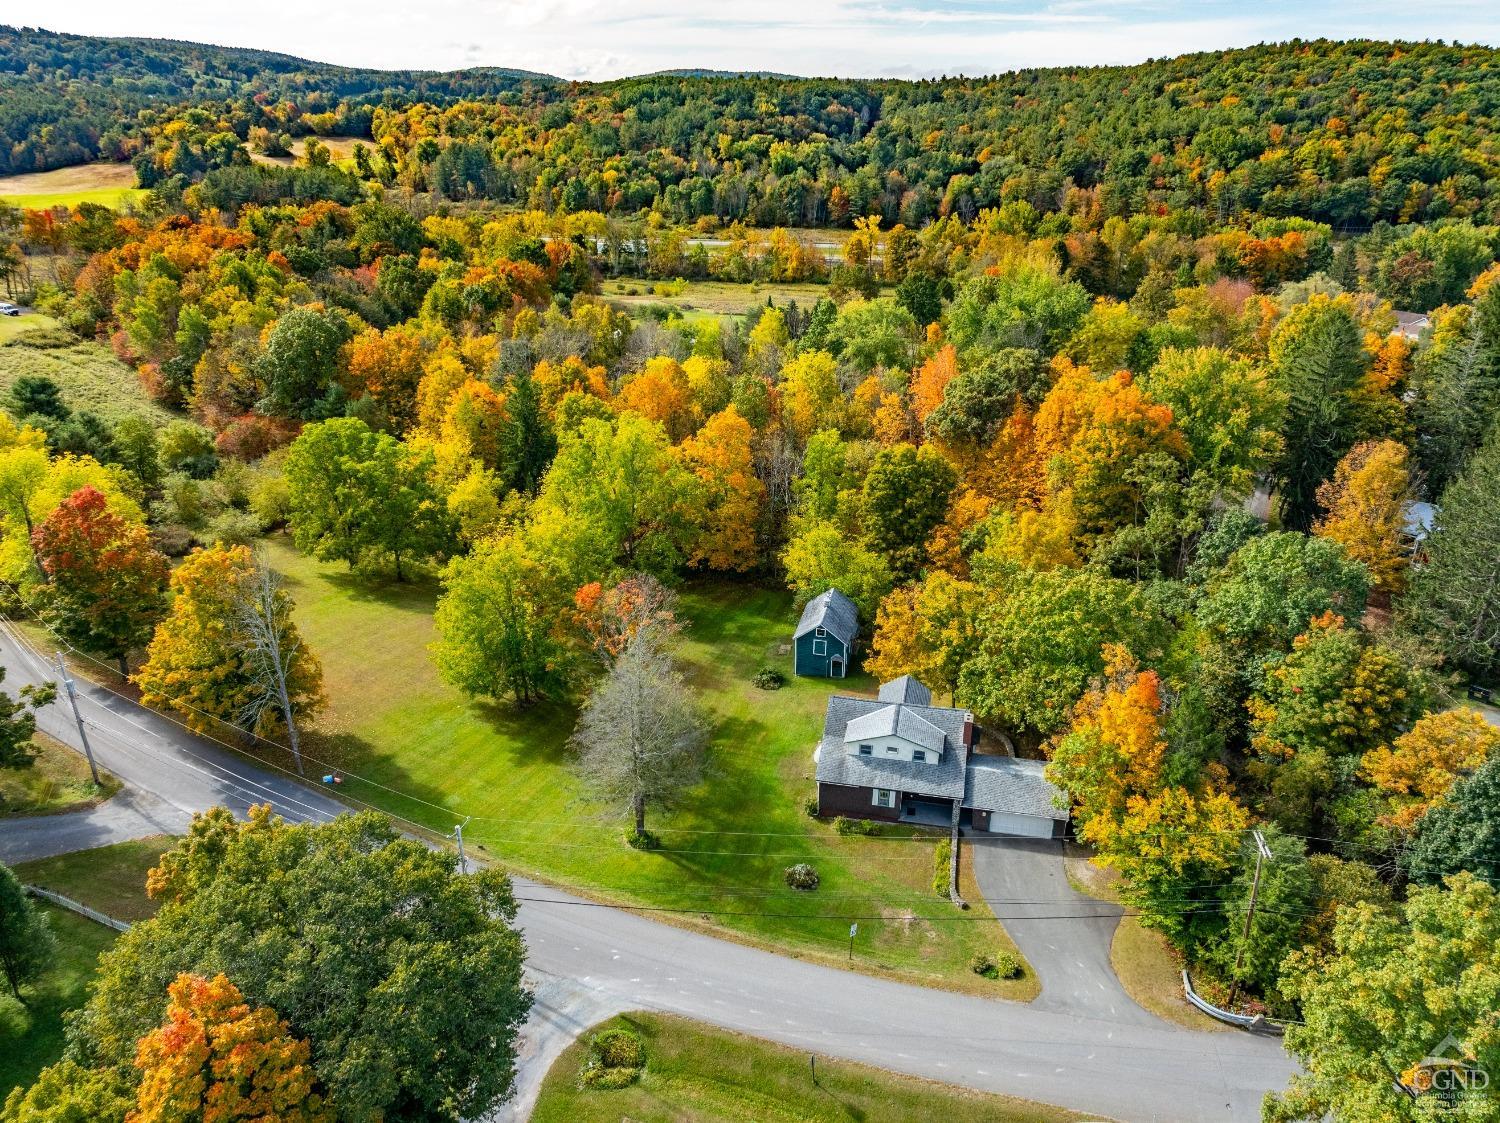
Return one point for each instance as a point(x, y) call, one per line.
point(1070, 955)
point(588, 960)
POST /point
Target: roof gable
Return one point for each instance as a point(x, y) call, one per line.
point(895, 721)
point(905, 689)
point(834, 613)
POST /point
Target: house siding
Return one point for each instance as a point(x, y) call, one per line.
point(821, 666)
point(856, 803)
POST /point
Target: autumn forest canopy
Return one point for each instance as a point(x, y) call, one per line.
point(1151, 413)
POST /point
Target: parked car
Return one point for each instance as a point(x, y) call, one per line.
point(9, 310)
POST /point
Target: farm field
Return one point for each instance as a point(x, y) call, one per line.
point(112, 185)
point(696, 1074)
point(416, 747)
point(58, 780)
point(90, 376)
point(31, 1037)
point(342, 148)
point(711, 298)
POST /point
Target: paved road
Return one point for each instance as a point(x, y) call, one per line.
point(1071, 956)
point(588, 961)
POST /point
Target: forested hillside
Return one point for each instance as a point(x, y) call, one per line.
point(1343, 133)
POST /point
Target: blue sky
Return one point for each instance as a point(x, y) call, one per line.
point(899, 38)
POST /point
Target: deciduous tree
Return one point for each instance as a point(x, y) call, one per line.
point(26, 942)
point(1417, 769)
point(1365, 505)
point(720, 455)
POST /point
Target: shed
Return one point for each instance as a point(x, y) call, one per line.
point(824, 641)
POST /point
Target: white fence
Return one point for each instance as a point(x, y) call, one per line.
point(77, 906)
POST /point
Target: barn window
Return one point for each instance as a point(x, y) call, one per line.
point(820, 647)
point(918, 755)
point(821, 632)
point(892, 750)
point(884, 797)
point(866, 750)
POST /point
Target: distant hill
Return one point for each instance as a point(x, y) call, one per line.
point(690, 72)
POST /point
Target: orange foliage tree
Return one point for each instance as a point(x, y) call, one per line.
point(216, 1058)
point(720, 456)
point(1365, 504)
point(1417, 768)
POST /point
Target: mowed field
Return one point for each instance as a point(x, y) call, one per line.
point(342, 148)
point(413, 745)
point(112, 185)
point(90, 376)
point(698, 1074)
point(711, 298)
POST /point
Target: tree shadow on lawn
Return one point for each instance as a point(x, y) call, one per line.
point(418, 593)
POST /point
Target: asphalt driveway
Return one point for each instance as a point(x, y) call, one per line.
point(1062, 933)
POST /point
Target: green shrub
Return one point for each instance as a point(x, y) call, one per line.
point(802, 876)
point(811, 807)
point(1001, 965)
point(942, 866)
point(645, 840)
point(616, 1058)
point(846, 826)
point(769, 678)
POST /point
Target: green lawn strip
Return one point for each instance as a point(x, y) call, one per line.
point(695, 1074)
point(89, 375)
point(113, 197)
point(57, 780)
point(419, 749)
point(111, 879)
point(31, 1037)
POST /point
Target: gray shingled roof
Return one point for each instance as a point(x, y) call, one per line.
point(905, 689)
point(1016, 787)
point(834, 613)
point(943, 778)
point(895, 721)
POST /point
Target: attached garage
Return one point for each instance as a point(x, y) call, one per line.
point(1008, 796)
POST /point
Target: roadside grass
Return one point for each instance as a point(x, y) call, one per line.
point(57, 780)
point(31, 1037)
point(112, 185)
point(414, 746)
point(696, 1074)
point(110, 879)
point(90, 376)
point(1151, 973)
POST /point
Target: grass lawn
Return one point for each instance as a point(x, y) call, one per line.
point(112, 185)
point(697, 1074)
point(58, 780)
point(712, 298)
point(90, 376)
point(31, 1037)
point(13, 327)
point(395, 724)
point(111, 879)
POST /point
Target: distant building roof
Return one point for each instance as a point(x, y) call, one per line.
point(895, 721)
point(943, 778)
point(1011, 786)
point(834, 613)
point(1417, 520)
point(905, 689)
point(1411, 324)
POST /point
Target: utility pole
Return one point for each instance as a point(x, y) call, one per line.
point(458, 833)
point(67, 679)
point(1262, 852)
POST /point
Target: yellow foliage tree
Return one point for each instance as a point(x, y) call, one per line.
point(1365, 504)
point(1417, 769)
point(719, 455)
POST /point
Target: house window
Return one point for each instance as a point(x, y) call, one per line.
point(918, 755)
point(892, 750)
point(820, 647)
point(884, 797)
point(866, 750)
point(821, 632)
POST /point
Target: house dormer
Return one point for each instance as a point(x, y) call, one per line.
point(895, 732)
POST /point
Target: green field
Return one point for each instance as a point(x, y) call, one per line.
point(111, 185)
point(428, 754)
point(111, 879)
point(57, 780)
point(90, 376)
point(711, 298)
point(31, 1037)
point(698, 1074)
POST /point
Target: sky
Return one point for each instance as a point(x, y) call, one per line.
point(601, 39)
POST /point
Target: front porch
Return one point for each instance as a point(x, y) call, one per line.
point(923, 812)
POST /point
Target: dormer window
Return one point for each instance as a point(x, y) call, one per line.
point(892, 750)
point(919, 755)
point(866, 750)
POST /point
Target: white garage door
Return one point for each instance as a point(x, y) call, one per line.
point(1029, 826)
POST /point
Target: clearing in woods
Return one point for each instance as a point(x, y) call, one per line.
point(112, 185)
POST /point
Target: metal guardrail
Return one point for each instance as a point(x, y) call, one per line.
point(1257, 1024)
point(77, 906)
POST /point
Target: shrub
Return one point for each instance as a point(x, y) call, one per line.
point(231, 528)
point(250, 437)
point(811, 807)
point(769, 678)
point(845, 825)
point(1001, 965)
point(172, 539)
point(616, 1058)
point(942, 867)
point(644, 840)
point(802, 876)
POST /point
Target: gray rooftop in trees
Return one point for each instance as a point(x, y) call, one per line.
point(1016, 787)
point(942, 778)
point(906, 690)
point(834, 613)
